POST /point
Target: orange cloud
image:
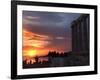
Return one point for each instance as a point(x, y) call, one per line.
point(36, 40)
point(33, 44)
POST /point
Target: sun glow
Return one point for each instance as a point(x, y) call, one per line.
point(32, 53)
point(34, 44)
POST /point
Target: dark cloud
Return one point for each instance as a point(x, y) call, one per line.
point(50, 31)
point(44, 16)
point(52, 18)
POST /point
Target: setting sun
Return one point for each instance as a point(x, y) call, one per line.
point(32, 53)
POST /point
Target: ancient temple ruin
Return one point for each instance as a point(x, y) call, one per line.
point(80, 34)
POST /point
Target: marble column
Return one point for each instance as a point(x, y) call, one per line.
point(74, 37)
point(80, 36)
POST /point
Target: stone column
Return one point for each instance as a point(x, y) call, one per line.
point(73, 46)
point(80, 36)
point(88, 22)
point(74, 37)
point(85, 33)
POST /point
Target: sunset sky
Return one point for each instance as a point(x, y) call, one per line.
point(46, 31)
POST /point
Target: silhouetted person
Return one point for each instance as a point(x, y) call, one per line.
point(36, 59)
